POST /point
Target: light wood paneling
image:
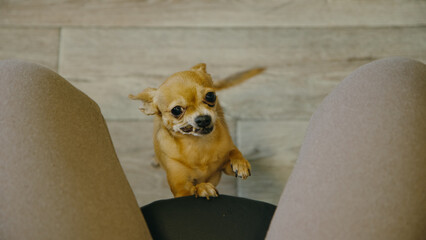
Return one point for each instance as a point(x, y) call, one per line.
point(153, 52)
point(272, 142)
point(303, 64)
point(133, 143)
point(290, 92)
point(111, 95)
point(272, 147)
point(39, 45)
point(265, 184)
point(213, 13)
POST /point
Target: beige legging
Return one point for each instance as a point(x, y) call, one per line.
point(361, 173)
point(59, 175)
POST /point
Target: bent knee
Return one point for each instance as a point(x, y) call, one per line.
point(28, 84)
point(378, 110)
point(393, 75)
point(392, 85)
point(18, 72)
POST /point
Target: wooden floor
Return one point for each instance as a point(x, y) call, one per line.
point(109, 49)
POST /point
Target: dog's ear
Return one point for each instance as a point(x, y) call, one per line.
point(147, 97)
point(201, 67)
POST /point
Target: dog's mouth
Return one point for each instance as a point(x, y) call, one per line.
point(187, 129)
point(202, 131)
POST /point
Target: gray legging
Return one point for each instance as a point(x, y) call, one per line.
point(361, 173)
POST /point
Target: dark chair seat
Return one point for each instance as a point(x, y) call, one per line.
point(224, 217)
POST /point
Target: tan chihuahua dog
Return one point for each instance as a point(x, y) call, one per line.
point(191, 138)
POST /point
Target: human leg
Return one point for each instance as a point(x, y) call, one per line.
point(59, 175)
point(361, 173)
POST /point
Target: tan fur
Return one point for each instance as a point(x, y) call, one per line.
point(194, 161)
point(237, 78)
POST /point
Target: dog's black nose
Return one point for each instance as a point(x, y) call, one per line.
point(203, 121)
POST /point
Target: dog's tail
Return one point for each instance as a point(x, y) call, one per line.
point(237, 78)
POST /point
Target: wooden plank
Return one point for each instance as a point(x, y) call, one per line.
point(38, 45)
point(272, 147)
point(156, 52)
point(111, 95)
point(265, 184)
point(290, 92)
point(272, 142)
point(303, 64)
point(299, 13)
point(133, 143)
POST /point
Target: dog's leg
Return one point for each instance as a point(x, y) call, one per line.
point(188, 188)
point(183, 183)
point(227, 169)
point(205, 189)
point(215, 178)
point(237, 165)
point(179, 185)
point(179, 179)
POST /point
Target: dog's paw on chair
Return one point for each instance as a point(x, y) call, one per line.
point(206, 190)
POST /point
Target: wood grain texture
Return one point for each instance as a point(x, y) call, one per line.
point(133, 143)
point(272, 147)
point(265, 184)
point(271, 142)
point(303, 65)
point(290, 92)
point(38, 45)
point(156, 51)
point(299, 13)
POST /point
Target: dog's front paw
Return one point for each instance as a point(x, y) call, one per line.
point(241, 167)
point(206, 190)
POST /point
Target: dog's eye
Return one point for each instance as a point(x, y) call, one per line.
point(211, 97)
point(177, 111)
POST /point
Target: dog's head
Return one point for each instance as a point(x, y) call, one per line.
point(186, 102)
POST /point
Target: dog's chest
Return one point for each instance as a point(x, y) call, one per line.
point(202, 157)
